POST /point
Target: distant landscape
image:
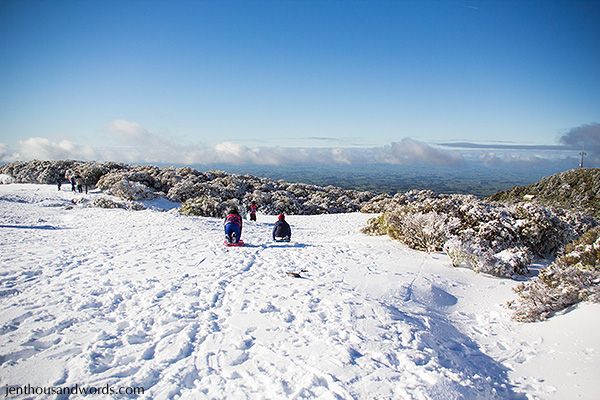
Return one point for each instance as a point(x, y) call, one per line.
point(380, 178)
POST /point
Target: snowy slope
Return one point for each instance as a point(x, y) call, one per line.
point(94, 296)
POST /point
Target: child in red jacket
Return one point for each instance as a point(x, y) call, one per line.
point(233, 226)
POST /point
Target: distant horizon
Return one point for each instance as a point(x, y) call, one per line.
point(384, 178)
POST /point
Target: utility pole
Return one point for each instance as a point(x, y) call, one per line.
point(582, 154)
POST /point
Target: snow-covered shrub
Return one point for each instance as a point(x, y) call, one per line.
point(490, 238)
point(541, 229)
point(284, 202)
point(126, 189)
point(108, 181)
point(106, 202)
point(505, 263)
point(183, 184)
point(49, 172)
point(207, 206)
point(573, 277)
point(378, 204)
point(189, 188)
point(135, 206)
point(422, 231)
point(257, 196)
point(91, 172)
point(6, 179)
point(576, 189)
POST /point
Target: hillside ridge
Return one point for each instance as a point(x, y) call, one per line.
point(576, 189)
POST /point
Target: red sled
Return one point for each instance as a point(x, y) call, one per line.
point(238, 244)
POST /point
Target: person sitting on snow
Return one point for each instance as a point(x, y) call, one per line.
point(233, 226)
point(282, 231)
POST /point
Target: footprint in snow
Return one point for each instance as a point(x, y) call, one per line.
point(269, 308)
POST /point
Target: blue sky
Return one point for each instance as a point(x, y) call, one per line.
point(97, 77)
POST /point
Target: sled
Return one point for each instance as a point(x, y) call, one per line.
point(238, 244)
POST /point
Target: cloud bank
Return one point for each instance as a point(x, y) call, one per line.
point(132, 143)
point(137, 144)
point(44, 149)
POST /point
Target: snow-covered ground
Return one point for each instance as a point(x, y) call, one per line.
point(93, 296)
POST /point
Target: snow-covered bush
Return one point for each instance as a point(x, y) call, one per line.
point(125, 189)
point(378, 204)
point(106, 202)
point(490, 238)
point(208, 207)
point(110, 180)
point(6, 179)
point(284, 201)
point(426, 231)
point(91, 172)
point(185, 184)
point(505, 263)
point(49, 172)
point(36, 171)
point(189, 188)
point(576, 189)
point(543, 230)
point(573, 277)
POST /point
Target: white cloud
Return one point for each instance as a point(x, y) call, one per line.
point(127, 129)
point(410, 151)
point(525, 160)
point(45, 149)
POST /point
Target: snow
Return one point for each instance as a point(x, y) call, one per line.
point(92, 296)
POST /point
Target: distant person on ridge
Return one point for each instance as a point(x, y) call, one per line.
point(282, 231)
point(72, 180)
point(252, 208)
point(58, 183)
point(233, 226)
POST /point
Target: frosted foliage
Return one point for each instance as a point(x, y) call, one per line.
point(272, 197)
point(208, 206)
point(490, 238)
point(423, 231)
point(49, 172)
point(378, 204)
point(573, 277)
point(203, 192)
point(6, 179)
point(575, 189)
point(130, 190)
point(106, 202)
